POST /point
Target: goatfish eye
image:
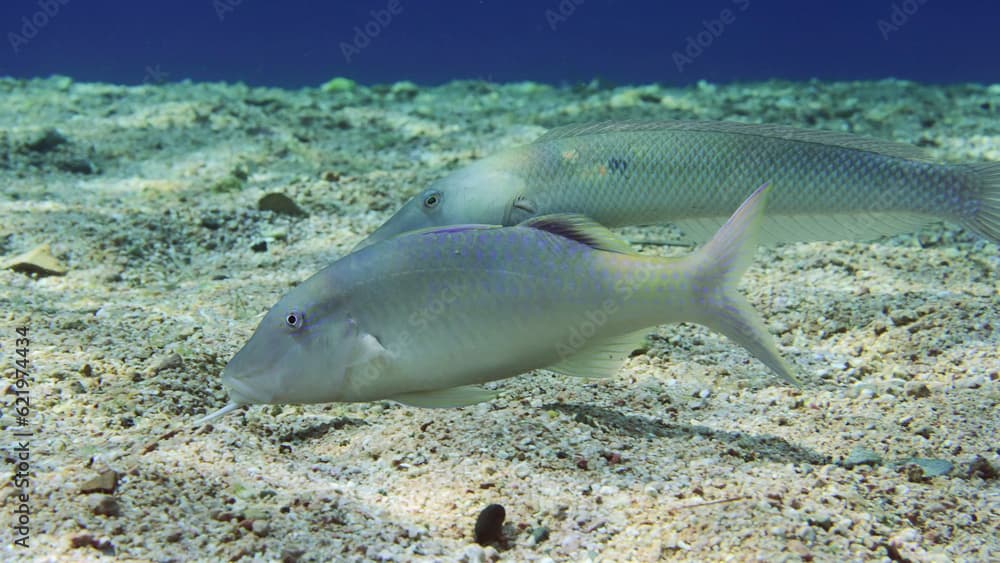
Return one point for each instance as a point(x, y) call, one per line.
point(432, 200)
point(294, 320)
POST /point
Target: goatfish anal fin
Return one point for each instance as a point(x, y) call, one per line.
point(600, 359)
point(461, 396)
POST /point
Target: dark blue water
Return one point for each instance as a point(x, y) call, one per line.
point(305, 42)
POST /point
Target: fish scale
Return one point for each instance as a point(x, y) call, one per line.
point(828, 185)
point(699, 159)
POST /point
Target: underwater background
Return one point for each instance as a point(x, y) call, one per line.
point(169, 170)
point(304, 42)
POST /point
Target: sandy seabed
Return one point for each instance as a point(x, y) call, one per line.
point(149, 196)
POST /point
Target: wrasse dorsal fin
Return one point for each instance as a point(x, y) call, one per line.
point(580, 228)
point(447, 229)
point(763, 130)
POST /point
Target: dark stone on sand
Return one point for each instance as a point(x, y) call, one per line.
point(861, 456)
point(77, 166)
point(166, 362)
point(49, 140)
point(280, 203)
point(539, 534)
point(105, 483)
point(104, 505)
point(38, 261)
point(980, 467)
point(87, 540)
point(931, 467)
point(489, 525)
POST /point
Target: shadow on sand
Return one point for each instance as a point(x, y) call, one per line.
point(742, 445)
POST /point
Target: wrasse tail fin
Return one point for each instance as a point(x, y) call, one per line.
point(986, 221)
point(719, 265)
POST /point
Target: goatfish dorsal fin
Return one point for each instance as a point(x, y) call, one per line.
point(580, 228)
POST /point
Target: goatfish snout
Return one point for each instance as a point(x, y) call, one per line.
point(425, 318)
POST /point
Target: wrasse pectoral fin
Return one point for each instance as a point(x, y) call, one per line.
point(524, 204)
point(462, 396)
point(987, 218)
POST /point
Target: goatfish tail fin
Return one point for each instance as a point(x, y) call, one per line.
point(719, 265)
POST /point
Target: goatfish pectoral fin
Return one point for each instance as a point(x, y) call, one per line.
point(221, 412)
point(461, 396)
point(599, 359)
point(720, 264)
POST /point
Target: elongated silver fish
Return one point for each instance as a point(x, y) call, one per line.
point(425, 317)
point(828, 185)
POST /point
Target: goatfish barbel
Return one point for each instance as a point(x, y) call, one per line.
point(426, 317)
point(829, 185)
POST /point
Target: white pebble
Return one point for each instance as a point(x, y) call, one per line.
point(522, 470)
point(570, 543)
point(473, 554)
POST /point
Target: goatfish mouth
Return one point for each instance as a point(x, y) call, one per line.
point(240, 394)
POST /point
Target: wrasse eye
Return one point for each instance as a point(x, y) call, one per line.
point(432, 200)
point(295, 319)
